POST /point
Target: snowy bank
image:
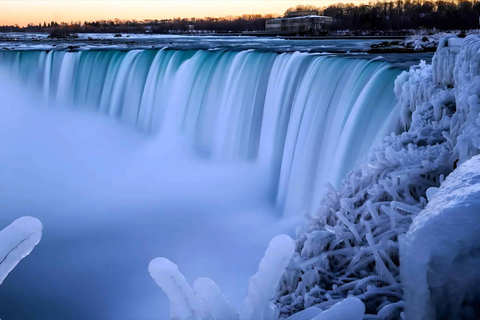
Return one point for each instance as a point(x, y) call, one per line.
point(351, 247)
point(440, 254)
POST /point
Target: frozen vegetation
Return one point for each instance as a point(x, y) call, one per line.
point(16, 242)
point(351, 246)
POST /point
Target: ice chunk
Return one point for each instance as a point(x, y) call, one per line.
point(17, 241)
point(440, 254)
point(263, 284)
point(350, 308)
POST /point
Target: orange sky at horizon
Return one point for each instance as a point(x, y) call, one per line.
point(22, 12)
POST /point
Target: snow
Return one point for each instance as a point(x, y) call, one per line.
point(205, 301)
point(440, 253)
point(351, 247)
point(17, 241)
point(421, 42)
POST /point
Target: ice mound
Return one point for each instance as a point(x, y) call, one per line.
point(16, 242)
point(351, 247)
point(440, 254)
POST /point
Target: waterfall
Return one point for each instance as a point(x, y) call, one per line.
point(306, 118)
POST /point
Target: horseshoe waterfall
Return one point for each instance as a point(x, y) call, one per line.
point(198, 156)
point(304, 119)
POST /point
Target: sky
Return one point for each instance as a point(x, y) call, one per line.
point(22, 12)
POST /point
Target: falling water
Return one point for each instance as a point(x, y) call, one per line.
point(305, 118)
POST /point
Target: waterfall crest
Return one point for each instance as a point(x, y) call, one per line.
point(306, 118)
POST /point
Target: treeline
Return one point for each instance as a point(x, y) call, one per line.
point(176, 25)
point(380, 15)
point(400, 15)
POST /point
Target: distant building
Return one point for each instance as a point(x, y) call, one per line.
point(299, 22)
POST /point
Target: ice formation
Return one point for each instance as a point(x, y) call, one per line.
point(205, 300)
point(440, 254)
point(351, 247)
point(184, 304)
point(17, 240)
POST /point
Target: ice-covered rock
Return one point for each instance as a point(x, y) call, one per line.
point(17, 241)
point(440, 254)
point(205, 301)
point(426, 42)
